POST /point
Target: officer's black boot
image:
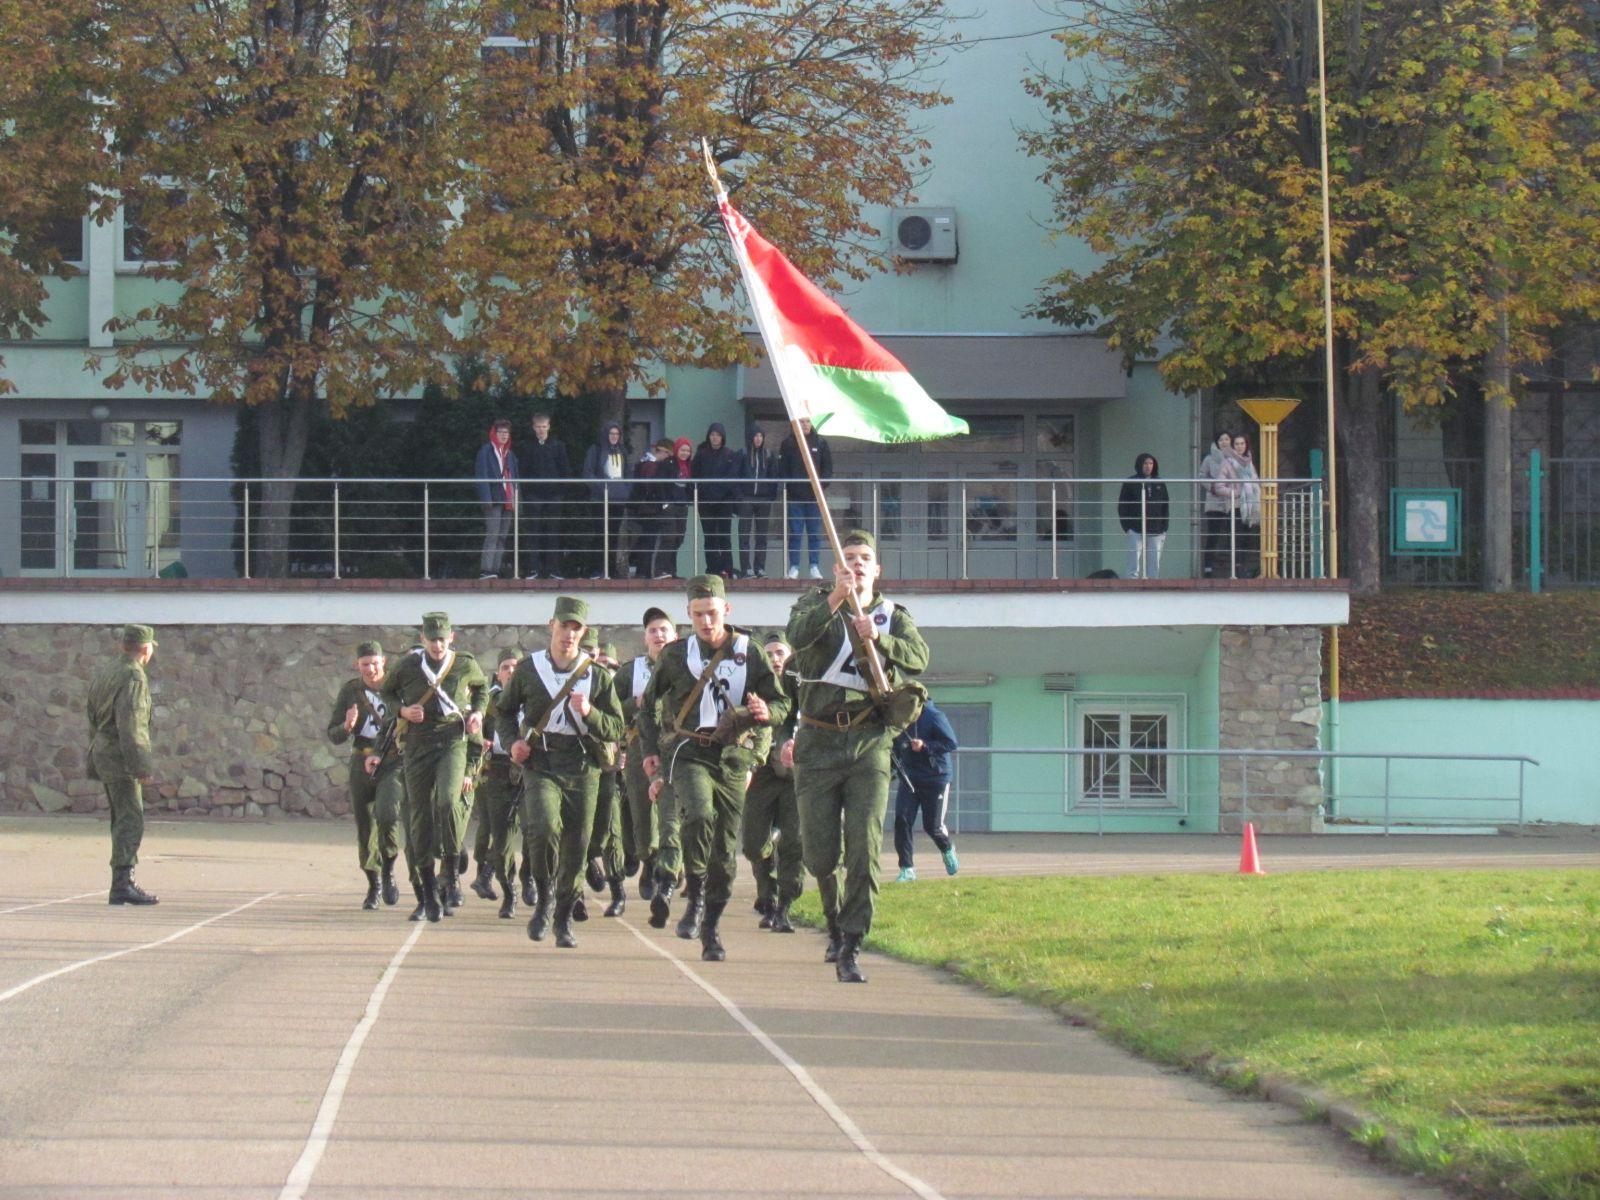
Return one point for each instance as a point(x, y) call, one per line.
point(422, 906)
point(125, 891)
point(481, 887)
point(595, 875)
point(539, 923)
point(371, 902)
point(508, 895)
point(564, 935)
point(391, 894)
point(835, 939)
point(689, 923)
point(710, 940)
point(661, 903)
point(619, 901)
point(780, 918)
point(847, 968)
point(430, 893)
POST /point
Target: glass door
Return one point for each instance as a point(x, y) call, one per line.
point(105, 512)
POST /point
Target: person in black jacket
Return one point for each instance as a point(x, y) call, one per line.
point(716, 466)
point(547, 468)
point(1142, 509)
point(757, 490)
point(651, 505)
point(606, 467)
point(922, 758)
point(805, 519)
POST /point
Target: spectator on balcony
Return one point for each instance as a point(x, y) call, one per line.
point(496, 473)
point(680, 495)
point(547, 470)
point(606, 467)
point(757, 491)
point(803, 515)
point(1142, 510)
point(716, 467)
point(1249, 509)
point(1219, 504)
point(651, 507)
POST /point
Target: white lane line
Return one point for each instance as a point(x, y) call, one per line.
point(48, 903)
point(803, 1077)
point(322, 1128)
point(100, 958)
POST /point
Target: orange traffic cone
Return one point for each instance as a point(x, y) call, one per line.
point(1249, 860)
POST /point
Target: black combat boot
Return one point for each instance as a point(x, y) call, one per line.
point(430, 893)
point(422, 906)
point(508, 895)
point(371, 902)
point(539, 923)
point(391, 894)
point(835, 940)
point(661, 903)
point(447, 890)
point(580, 910)
point(125, 891)
point(780, 918)
point(619, 901)
point(481, 887)
point(461, 861)
point(689, 923)
point(847, 968)
point(710, 940)
point(595, 875)
point(630, 864)
point(647, 879)
point(455, 889)
point(565, 938)
point(529, 893)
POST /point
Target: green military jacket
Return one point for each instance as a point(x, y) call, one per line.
point(119, 720)
point(783, 731)
point(372, 724)
point(527, 694)
point(822, 662)
point(674, 680)
point(465, 685)
point(496, 724)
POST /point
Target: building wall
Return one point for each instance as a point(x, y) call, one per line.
point(1269, 698)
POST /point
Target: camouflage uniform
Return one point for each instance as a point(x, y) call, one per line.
point(769, 805)
point(375, 799)
point(118, 709)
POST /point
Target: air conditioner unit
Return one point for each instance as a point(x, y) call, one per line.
point(1059, 681)
point(923, 234)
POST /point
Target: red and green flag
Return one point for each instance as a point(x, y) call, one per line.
point(829, 369)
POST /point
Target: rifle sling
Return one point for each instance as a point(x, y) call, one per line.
point(693, 697)
point(562, 693)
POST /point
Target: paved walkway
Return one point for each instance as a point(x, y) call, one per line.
point(257, 1035)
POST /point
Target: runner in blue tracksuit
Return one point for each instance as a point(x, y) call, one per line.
point(922, 758)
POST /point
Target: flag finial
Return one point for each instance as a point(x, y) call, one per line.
point(711, 170)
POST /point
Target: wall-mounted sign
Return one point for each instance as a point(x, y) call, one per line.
point(1425, 521)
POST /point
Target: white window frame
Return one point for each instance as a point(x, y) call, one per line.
point(125, 265)
point(1124, 706)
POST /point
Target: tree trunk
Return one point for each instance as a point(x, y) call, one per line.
point(613, 406)
point(1497, 468)
point(1360, 421)
point(282, 428)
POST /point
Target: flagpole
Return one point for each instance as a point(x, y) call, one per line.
point(880, 680)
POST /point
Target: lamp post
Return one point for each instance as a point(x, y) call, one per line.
point(1268, 414)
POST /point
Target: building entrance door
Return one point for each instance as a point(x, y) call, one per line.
point(104, 515)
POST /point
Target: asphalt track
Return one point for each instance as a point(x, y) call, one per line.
point(257, 1035)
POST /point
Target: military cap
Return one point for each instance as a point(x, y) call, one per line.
point(609, 650)
point(590, 639)
point(368, 648)
point(652, 615)
point(776, 638)
point(571, 608)
point(435, 624)
point(506, 652)
point(860, 537)
point(138, 635)
point(704, 587)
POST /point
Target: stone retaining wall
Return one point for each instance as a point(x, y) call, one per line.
point(1270, 698)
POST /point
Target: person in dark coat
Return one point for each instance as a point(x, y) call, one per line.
point(496, 473)
point(546, 467)
point(802, 513)
point(605, 466)
point(922, 756)
point(758, 488)
point(716, 466)
point(651, 506)
point(1142, 510)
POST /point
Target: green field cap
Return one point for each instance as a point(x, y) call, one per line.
point(570, 608)
point(435, 624)
point(139, 635)
point(703, 587)
point(368, 649)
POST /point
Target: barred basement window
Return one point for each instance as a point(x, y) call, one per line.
point(1125, 769)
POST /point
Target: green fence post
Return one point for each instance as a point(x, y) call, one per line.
point(1320, 521)
point(1535, 523)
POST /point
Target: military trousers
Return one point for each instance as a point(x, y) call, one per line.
point(769, 806)
point(501, 816)
point(557, 817)
point(438, 816)
point(125, 795)
point(375, 801)
point(605, 838)
point(669, 844)
point(482, 833)
point(841, 787)
point(641, 826)
point(710, 797)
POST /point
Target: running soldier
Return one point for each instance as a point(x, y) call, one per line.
point(497, 789)
point(377, 785)
point(769, 808)
point(605, 857)
point(644, 822)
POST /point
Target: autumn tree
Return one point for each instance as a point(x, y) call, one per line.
point(597, 237)
point(292, 169)
point(1182, 145)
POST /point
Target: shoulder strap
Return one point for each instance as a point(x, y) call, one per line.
point(706, 672)
point(563, 692)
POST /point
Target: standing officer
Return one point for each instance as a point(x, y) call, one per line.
point(569, 710)
point(709, 705)
point(497, 790)
point(119, 753)
point(842, 745)
point(769, 805)
point(440, 693)
point(643, 829)
point(361, 718)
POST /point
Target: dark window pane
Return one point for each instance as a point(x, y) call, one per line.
point(65, 234)
point(102, 433)
point(37, 433)
point(141, 244)
point(163, 433)
point(37, 512)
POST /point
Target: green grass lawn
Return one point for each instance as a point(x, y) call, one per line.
point(1462, 1009)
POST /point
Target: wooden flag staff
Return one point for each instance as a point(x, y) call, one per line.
point(874, 663)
